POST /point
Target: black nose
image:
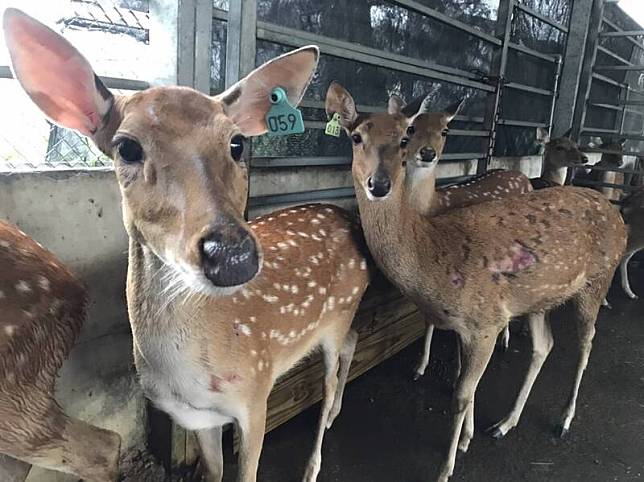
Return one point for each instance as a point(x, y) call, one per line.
point(229, 255)
point(584, 160)
point(379, 185)
point(427, 154)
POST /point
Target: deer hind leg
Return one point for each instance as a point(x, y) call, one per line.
point(623, 269)
point(331, 354)
point(212, 458)
point(13, 470)
point(587, 305)
point(346, 356)
point(476, 350)
point(505, 338)
point(424, 360)
point(542, 343)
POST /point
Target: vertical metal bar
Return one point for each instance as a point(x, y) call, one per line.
point(241, 45)
point(623, 111)
point(573, 64)
point(203, 45)
point(163, 41)
point(555, 94)
point(497, 75)
point(186, 43)
point(586, 78)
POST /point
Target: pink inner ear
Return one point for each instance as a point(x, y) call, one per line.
point(53, 73)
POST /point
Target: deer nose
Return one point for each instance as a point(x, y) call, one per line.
point(427, 154)
point(229, 255)
point(584, 160)
point(379, 185)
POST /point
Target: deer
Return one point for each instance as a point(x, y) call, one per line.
point(473, 269)
point(430, 130)
point(42, 310)
point(612, 158)
point(559, 153)
point(632, 210)
point(219, 307)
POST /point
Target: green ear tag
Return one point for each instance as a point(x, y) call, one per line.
point(283, 119)
point(333, 126)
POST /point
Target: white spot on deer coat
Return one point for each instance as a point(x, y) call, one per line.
point(9, 330)
point(4, 244)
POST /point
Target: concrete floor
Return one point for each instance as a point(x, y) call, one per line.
point(394, 429)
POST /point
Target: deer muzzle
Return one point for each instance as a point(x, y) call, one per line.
point(229, 255)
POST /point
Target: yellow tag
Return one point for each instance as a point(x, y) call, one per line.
point(333, 127)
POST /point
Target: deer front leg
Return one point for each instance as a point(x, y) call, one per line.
point(346, 356)
point(424, 361)
point(13, 470)
point(212, 458)
point(252, 430)
point(476, 350)
point(542, 343)
point(623, 270)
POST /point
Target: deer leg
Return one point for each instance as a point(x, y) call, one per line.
point(252, 429)
point(587, 310)
point(505, 338)
point(542, 343)
point(623, 269)
point(424, 361)
point(212, 457)
point(476, 350)
point(346, 356)
point(13, 470)
point(331, 358)
point(468, 429)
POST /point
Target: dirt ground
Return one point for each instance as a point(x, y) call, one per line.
point(394, 429)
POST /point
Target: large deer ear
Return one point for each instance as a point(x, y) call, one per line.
point(339, 101)
point(395, 104)
point(55, 75)
point(248, 101)
point(452, 110)
point(542, 136)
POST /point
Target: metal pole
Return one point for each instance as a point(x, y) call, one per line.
point(555, 94)
point(241, 44)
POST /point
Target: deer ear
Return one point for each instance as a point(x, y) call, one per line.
point(542, 136)
point(55, 75)
point(568, 133)
point(395, 104)
point(452, 111)
point(248, 101)
point(339, 101)
point(622, 141)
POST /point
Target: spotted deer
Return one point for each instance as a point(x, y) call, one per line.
point(559, 153)
point(473, 269)
point(42, 309)
point(427, 132)
point(219, 307)
point(633, 213)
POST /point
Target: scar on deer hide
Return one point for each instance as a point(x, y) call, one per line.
point(518, 259)
point(216, 383)
point(457, 280)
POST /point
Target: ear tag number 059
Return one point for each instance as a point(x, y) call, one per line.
point(283, 119)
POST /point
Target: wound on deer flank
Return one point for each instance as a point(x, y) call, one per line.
point(456, 279)
point(518, 259)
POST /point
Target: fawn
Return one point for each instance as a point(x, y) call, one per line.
point(558, 155)
point(473, 269)
point(219, 308)
point(612, 159)
point(42, 309)
point(632, 210)
point(428, 133)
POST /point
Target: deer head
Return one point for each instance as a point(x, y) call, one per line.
point(180, 156)
point(561, 151)
point(615, 156)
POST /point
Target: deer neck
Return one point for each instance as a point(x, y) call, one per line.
point(556, 175)
point(420, 187)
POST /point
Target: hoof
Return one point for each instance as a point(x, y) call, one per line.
point(496, 433)
point(417, 376)
point(561, 431)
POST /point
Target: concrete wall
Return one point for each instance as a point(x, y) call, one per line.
point(77, 215)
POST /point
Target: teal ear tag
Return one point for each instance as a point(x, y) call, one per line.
point(283, 119)
point(333, 127)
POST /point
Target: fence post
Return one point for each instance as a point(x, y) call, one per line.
point(241, 42)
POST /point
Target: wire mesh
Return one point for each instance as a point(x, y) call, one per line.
point(114, 36)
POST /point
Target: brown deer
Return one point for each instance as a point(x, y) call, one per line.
point(558, 155)
point(220, 308)
point(612, 158)
point(633, 213)
point(42, 309)
point(428, 133)
point(472, 270)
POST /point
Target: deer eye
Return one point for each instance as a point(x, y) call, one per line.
point(130, 150)
point(356, 138)
point(237, 147)
point(444, 132)
point(411, 130)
